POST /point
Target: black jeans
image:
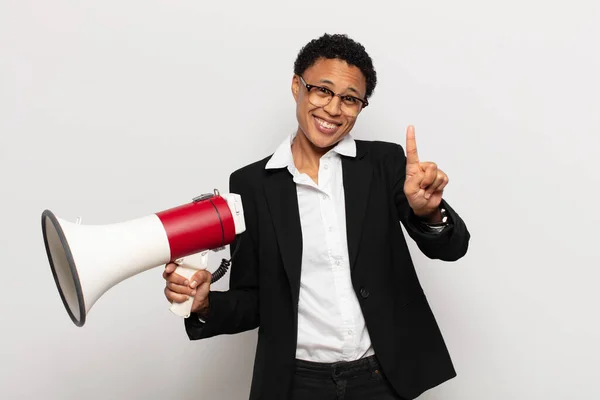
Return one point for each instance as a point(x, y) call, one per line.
point(354, 380)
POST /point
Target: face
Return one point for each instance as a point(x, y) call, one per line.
point(324, 126)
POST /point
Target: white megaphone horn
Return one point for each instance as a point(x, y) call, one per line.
point(87, 260)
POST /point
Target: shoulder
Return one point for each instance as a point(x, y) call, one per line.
point(250, 173)
point(379, 150)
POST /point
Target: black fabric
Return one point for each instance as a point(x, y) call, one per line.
point(265, 276)
point(355, 380)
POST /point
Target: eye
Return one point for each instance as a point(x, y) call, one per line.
point(349, 99)
point(322, 92)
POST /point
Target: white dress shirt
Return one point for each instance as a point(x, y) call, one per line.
point(331, 326)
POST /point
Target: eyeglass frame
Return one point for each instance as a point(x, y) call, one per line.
point(308, 86)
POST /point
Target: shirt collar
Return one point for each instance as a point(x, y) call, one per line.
point(283, 155)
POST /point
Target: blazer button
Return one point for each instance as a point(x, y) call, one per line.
point(364, 293)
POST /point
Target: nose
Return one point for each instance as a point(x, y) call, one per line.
point(334, 107)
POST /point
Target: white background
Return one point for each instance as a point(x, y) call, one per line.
point(117, 109)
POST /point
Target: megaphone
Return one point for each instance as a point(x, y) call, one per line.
point(88, 260)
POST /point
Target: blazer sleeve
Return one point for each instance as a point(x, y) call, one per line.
point(451, 243)
point(234, 310)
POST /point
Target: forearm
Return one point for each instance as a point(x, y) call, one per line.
point(449, 243)
point(230, 312)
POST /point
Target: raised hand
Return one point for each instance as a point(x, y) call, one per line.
point(425, 182)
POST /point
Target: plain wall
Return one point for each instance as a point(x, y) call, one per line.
point(117, 109)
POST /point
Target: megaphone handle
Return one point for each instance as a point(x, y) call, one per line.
point(184, 309)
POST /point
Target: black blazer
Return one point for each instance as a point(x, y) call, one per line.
point(265, 274)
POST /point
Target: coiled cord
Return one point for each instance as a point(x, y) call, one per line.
point(225, 264)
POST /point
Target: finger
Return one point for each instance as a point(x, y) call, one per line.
point(438, 184)
point(443, 185)
point(171, 267)
point(430, 174)
point(175, 297)
point(181, 289)
point(200, 278)
point(412, 185)
point(175, 278)
point(412, 157)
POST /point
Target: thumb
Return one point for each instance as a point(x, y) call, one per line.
point(200, 278)
point(201, 297)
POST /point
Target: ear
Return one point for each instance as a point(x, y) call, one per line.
point(295, 87)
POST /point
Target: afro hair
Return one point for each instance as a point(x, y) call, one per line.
point(337, 46)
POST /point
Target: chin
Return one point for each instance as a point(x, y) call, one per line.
point(324, 137)
point(323, 141)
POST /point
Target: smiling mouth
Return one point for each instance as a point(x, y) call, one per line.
point(326, 126)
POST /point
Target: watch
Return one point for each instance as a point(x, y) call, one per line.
point(439, 224)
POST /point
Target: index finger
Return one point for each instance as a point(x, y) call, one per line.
point(412, 157)
point(170, 276)
point(170, 267)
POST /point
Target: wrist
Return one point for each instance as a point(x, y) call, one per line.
point(202, 310)
point(432, 217)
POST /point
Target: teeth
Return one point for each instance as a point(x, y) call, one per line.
point(326, 124)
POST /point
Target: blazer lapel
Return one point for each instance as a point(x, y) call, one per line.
point(357, 174)
point(282, 201)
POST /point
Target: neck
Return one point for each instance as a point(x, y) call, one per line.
point(306, 155)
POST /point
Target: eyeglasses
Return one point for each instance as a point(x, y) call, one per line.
point(321, 96)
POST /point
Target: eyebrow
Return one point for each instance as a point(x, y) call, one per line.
point(350, 88)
